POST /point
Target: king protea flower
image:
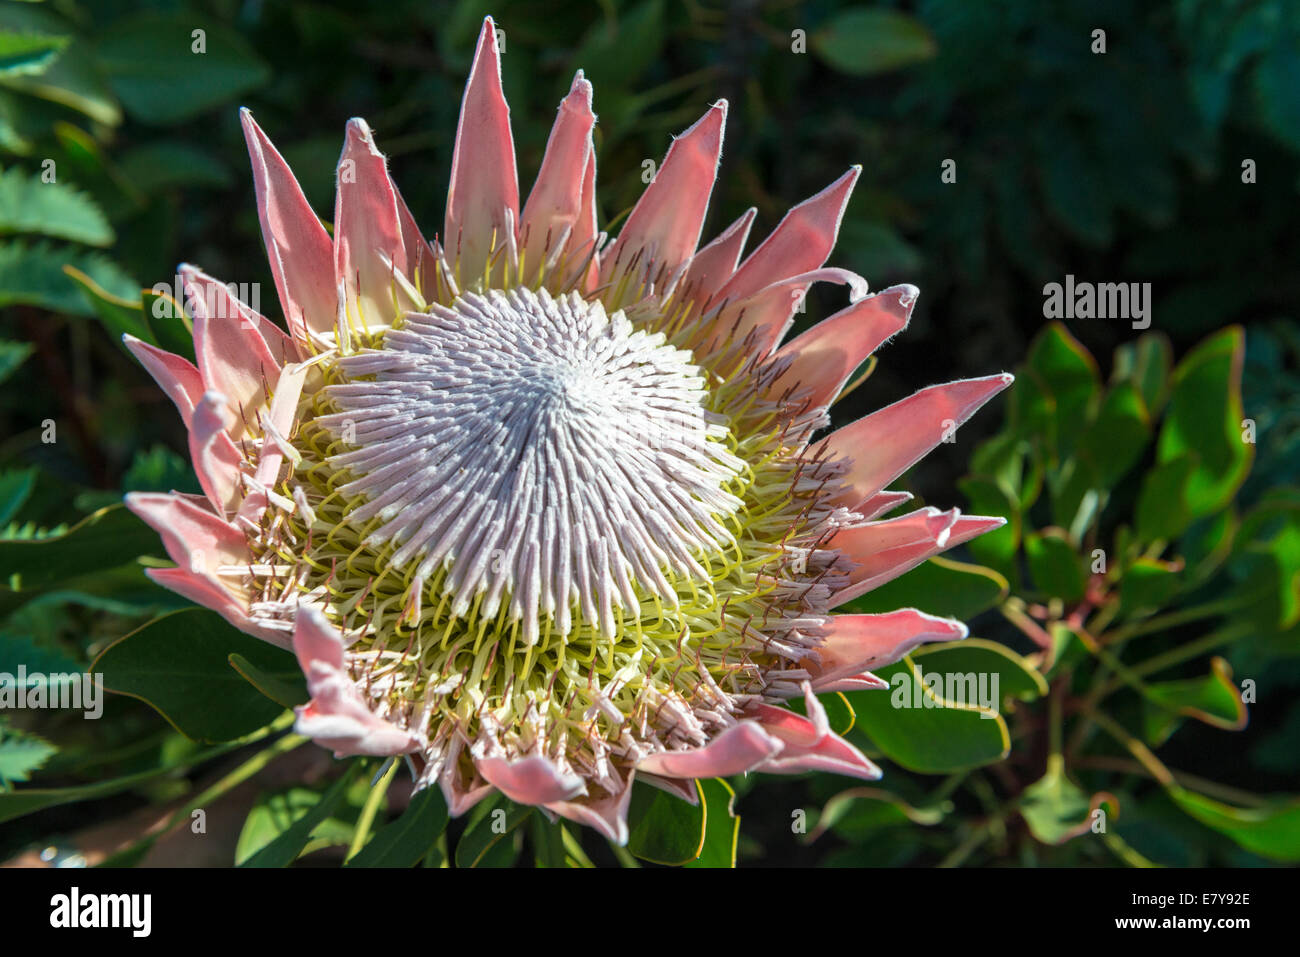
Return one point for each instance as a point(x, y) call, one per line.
point(543, 511)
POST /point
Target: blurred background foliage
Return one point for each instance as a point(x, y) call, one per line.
point(121, 156)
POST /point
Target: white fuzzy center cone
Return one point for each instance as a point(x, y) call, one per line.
point(546, 453)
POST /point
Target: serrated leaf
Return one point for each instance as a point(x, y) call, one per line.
point(159, 469)
point(21, 753)
point(25, 801)
point(33, 275)
point(29, 205)
point(110, 537)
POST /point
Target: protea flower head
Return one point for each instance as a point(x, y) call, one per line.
point(540, 510)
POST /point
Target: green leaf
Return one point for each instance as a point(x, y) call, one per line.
point(1204, 422)
point(1077, 497)
point(106, 539)
point(16, 650)
point(402, 843)
point(864, 42)
point(168, 165)
point(941, 586)
point(15, 488)
point(1017, 678)
point(1163, 512)
point(1002, 460)
point(1145, 365)
point(1053, 396)
point(159, 469)
point(12, 355)
point(287, 687)
point(1271, 831)
point(1206, 545)
point(1056, 568)
point(179, 664)
point(721, 825)
point(21, 753)
point(25, 54)
point(72, 79)
point(30, 205)
point(283, 850)
point(32, 275)
point(922, 731)
point(839, 713)
point(858, 812)
point(617, 51)
point(483, 843)
point(996, 548)
point(1147, 585)
point(155, 67)
point(1266, 554)
point(273, 814)
point(548, 844)
point(18, 803)
point(1113, 442)
point(1274, 90)
point(1213, 699)
point(663, 828)
point(1056, 809)
point(120, 316)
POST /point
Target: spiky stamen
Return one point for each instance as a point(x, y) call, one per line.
point(523, 439)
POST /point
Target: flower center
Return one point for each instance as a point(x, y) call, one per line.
point(537, 450)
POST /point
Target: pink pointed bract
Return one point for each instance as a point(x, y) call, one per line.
point(540, 509)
